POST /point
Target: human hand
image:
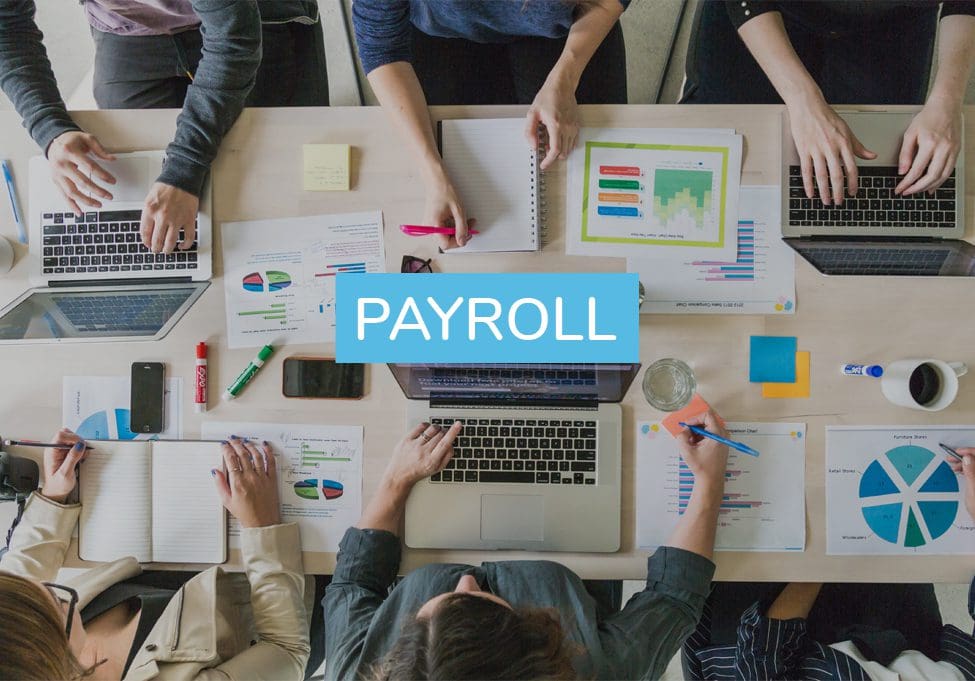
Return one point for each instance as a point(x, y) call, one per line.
point(423, 451)
point(444, 209)
point(60, 476)
point(826, 147)
point(166, 211)
point(249, 486)
point(966, 467)
point(70, 157)
point(554, 107)
point(930, 148)
point(706, 458)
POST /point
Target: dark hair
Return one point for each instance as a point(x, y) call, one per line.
point(470, 637)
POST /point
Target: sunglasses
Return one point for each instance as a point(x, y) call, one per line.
point(64, 595)
point(413, 265)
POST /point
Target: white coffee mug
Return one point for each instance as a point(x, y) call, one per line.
point(896, 382)
point(6, 255)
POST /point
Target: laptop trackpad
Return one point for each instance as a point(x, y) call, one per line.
point(134, 175)
point(512, 517)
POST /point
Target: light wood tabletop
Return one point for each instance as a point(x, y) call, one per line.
point(258, 175)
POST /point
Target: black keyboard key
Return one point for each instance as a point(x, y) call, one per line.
point(584, 466)
point(590, 481)
point(541, 477)
point(577, 478)
point(448, 476)
point(435, 477)
point(506, 476)
point(471, 476)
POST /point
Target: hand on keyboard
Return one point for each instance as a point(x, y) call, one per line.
point(423, 451)
point(72, 166)
point(930, 148)
point(167, 211)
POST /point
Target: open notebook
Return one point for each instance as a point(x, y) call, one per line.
point(496, 175)
point(154, 500)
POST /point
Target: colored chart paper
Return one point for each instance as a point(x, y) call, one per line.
point(772, 359)
point(319, 476)
point(763, 507)
point(760, 279)
point(890, 491)
point(279, 275)
point(646, 192)
point(97, 408)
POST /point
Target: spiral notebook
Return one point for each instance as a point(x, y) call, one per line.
point(496, 175)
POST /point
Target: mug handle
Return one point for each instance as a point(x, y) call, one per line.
point(960, 368)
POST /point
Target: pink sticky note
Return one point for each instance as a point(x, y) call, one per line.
point(696, 407)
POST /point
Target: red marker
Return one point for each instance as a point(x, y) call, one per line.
point(201, 378)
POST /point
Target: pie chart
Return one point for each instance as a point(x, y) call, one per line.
point(272, 280)
point(332, 489)
point(307, 489)
point(907, 498)
point(112, 424)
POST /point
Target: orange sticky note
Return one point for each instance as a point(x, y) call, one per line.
point(696, 407)
point(798, 389)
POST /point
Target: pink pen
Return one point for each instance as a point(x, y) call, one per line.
point(423, 230)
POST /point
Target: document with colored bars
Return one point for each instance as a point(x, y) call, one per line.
point(763, 507)
point(279, 275)
point(319, 476)
point(890, 491)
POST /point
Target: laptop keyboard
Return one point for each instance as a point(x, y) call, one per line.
point(875, 204)
point(128, 313)
point(446, 377)
point(105, 241)
point(536, 451)
point(878, 261)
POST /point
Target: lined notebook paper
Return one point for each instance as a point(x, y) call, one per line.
point(496, 175)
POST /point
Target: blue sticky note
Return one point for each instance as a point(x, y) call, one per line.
point(772, 359)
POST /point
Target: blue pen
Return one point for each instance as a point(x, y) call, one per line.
point(723, 440)
point(12, 192)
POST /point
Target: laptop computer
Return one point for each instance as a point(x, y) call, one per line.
point(877, 232)
point(537, 464)
point(92, 278)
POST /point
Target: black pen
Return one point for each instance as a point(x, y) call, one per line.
point(950, 451)
point(22, 443)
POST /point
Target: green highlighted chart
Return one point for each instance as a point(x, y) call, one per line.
point(677, 191)
point(315, 457)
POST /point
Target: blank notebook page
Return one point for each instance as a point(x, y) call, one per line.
point(188, 523)
point(116, 502)
point(493, 169)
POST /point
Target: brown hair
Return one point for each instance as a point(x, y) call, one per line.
point(469, 637)
point(33, 645)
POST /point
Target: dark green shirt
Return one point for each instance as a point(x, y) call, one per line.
point(364, 612)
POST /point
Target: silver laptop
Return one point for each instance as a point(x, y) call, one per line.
point(877, 232)
point(93, 279)
point(537, 465)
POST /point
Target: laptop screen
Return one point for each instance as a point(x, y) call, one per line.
point(49, 314)
point(500, 383)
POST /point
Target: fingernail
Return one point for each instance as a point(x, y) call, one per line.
point(213, 472)
point(966, 462)
point(266, 443)
point(224, 442)
point(79, 445)
point(246, 440)
point(233, 437)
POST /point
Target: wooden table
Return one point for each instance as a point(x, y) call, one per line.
point(258, 175)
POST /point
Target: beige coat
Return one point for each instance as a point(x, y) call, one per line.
point(220, 625)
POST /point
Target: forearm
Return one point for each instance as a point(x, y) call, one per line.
point(795, 601)
point(386, 508)
point(696, 528)
point(767, 40)
point(956, 54)
point(587, 33)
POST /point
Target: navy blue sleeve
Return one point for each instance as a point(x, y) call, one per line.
point(382, 32)
point(742, 11)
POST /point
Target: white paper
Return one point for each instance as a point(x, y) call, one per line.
point(685, 194)
point(764, 498)
point(761, 280)
point(279, 275)
point(314, 463)
point(889, 491)
point(97, 408)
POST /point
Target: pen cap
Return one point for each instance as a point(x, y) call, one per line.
point(201, 350)
point(265, 352)
point(875, 370)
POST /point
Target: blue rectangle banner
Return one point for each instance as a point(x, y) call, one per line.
point(487, 318)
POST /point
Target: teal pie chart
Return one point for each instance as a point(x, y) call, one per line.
point(907, 501)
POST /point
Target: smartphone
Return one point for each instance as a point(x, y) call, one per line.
point(146, 399)
point(322, 378)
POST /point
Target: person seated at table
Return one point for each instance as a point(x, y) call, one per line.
point(812, 53)
point(868, 632)
point(115, 622)
point(551, 54)
point(209, 57)
point(510, 619)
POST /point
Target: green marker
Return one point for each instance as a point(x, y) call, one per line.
point(248, 373)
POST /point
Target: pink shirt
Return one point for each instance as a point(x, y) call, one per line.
point(141, 17)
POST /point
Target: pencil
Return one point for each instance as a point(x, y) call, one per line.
point(24, 443)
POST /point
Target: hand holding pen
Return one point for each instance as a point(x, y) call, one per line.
point(60, 465)
point(962, 461)
point(707, 458)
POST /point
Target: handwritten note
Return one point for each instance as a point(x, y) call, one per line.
point(326, 167)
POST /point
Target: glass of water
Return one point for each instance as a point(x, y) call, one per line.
point(669, 384)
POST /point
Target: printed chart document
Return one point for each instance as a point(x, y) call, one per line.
point(279, 275)
point(760, 280)
point(97, 408)
point(646, 192)
point(319, 476)
point(764, 500)
point(889, 491)
point(155, 501)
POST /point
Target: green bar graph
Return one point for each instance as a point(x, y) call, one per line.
point(619, 184)
point(676, 191)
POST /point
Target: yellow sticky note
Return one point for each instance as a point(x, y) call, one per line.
point(326, 167)
point(798, 389)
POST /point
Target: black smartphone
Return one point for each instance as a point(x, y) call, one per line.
point(323, 378)
point(146, 399)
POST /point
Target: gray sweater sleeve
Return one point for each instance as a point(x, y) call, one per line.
point(26, 76)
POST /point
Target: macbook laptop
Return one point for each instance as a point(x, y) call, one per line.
point(877, 232)
point(93, 279)
point(537, 464)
